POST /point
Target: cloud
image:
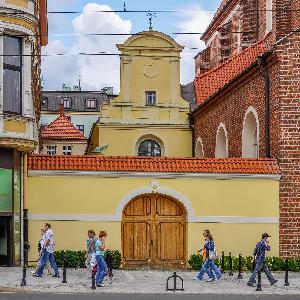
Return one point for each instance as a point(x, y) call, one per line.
point(191, 22)
point(96, 71)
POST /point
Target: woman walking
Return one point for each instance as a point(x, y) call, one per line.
point(209, 266)
point(101, 264)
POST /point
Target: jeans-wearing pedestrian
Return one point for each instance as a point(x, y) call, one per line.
point(101, 264)
point(260, 263)
point(209, 266)
point(89, 247)
point(47, 252)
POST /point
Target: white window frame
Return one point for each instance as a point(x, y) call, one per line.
point(51, 150)
point(65, 101)
point(88, 102)
point(67, 150)
point(150, 98)
point(269, 16)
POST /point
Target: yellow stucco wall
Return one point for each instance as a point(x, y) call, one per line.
point(12, 125)
point(78, 148)
point(90, 195)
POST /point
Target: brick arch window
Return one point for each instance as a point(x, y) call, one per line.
point(199, 151)
point(221, 150)
point(149, 147)
point(269, 16)
point(250, 135)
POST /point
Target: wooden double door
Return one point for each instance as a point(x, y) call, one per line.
point(154, 233)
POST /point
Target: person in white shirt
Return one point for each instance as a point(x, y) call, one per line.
point(47, 252)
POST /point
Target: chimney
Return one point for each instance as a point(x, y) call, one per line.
point(61, 109)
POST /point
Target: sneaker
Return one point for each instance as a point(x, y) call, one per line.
point(36, 275)
point(57, 276)
point(196, 278)
point(210, 280)
point(99, 285)
point(274, 282)
point(252, 284)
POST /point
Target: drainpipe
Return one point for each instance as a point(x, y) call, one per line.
point(266, 77)
point(257, 20)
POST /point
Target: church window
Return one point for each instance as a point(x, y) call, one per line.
point(269, 15)
point(151, 98)
point(149, 148)
point(221, 150)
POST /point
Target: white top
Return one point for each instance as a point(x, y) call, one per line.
point(48, 236)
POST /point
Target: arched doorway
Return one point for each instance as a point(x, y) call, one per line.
point(154, 232)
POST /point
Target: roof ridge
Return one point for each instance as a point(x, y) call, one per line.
point(230, 59)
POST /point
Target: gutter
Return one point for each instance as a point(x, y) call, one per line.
point(192, 126)
point(261, 60)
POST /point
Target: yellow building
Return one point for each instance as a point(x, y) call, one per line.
point(23, 31)
point(153, 208)
point(149, 117)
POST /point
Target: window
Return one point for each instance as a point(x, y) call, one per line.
point(199, 149)
point(51, 150)
point(150, 98)
point(269, 15)
point(221, 142)
point(80, 128)
point(90, 103)
point(67, 150)
point(67, 103)
point(250, 144)
point(12, 70)
point(149, 148)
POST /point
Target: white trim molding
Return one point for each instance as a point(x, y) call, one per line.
point(222, 125)
point(115, 218)
point(111, 174)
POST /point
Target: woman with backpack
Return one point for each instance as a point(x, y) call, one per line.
point(209, 265)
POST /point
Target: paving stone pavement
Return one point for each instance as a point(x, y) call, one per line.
point(147, 281)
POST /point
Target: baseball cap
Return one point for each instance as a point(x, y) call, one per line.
point(265, 235)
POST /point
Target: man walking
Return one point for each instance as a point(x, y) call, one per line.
point(260, 257)
point(47, 252)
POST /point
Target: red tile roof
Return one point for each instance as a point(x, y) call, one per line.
point(209, 83)
point(61, 129)
point(151, 164)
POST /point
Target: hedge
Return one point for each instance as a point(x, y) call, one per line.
point(274, 263)
point(76, 259)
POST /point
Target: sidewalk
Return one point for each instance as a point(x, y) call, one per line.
point(152, 282)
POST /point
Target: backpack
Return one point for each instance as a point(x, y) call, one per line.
point(213, 254)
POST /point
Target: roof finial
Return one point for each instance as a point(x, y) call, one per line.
point(124, 6)
point(151, 15)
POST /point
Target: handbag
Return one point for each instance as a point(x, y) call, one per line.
point(213, 254)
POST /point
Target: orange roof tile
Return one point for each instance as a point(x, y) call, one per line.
point(209, 83)
point(152, 164)
point(61, 129)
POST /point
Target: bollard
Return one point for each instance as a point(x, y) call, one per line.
point(93, 287)
point(258, 287)
point(222, 263)
point(65, 271)
point(286, 279)
point(240, 267)
point(23, 282)
point(230, 265)
point(110, 266)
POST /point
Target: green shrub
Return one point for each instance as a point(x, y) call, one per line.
point(76, 259)
point(195, 261)
point(274, 263)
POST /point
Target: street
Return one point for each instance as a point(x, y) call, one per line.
point(177, 296)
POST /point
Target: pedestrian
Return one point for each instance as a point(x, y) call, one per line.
point(259, 256)
point(209, 266)
point(101, 264)
point(48, 267)
point(47, 252)
point(89, 247)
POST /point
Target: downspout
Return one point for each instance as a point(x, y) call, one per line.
point(257, 20)
point(266, 77)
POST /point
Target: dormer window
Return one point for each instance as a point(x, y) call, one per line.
point(67, 103)
point(90, 103)
point(150, 98)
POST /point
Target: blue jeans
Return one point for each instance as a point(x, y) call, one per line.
point(261, 266)
point(205, 268)
point(101, 269)
point(215, 270)
point(45, 256)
